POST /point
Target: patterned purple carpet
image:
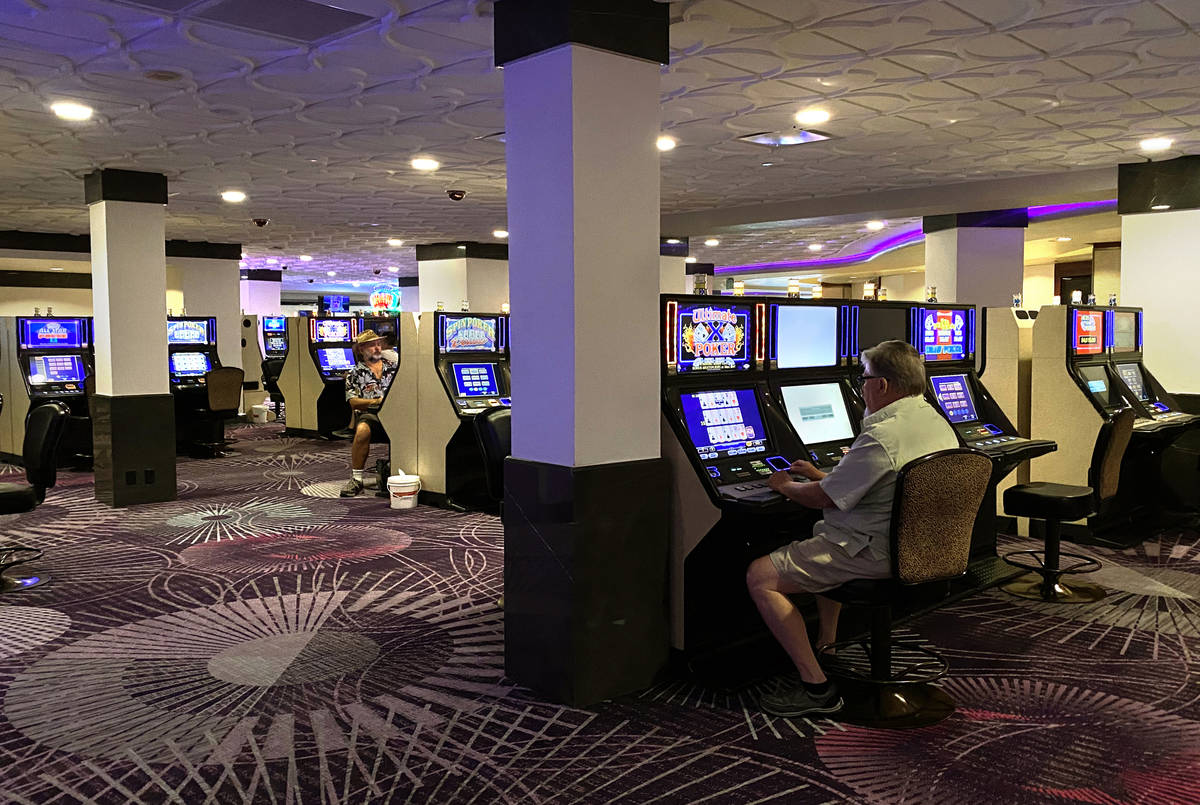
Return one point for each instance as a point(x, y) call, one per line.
point(261, 640)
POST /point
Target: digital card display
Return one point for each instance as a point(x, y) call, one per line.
point(476, 379)
point(335, 359)
point(45, 369)
point(713, 337)
point(724, 423)
point(1088, 332)
point(190, 364)
point(187, 332)
point(944, 335)
point(276, 343)
point(53, 334)
point(954, 396)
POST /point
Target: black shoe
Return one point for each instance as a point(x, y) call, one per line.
point(796, 700)
point(352, 488)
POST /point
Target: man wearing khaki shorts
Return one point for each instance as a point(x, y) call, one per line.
point(855, 497)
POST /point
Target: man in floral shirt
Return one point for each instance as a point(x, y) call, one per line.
point(366, 385)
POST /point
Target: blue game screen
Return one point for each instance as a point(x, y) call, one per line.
point(944, 335)
point(189, 364)
point(274, 324)
point(476, 379)
point(187, 332)
point(56, 369)
point(724, 423)
point(335, 358)
point(53, 334)
point(954, 396)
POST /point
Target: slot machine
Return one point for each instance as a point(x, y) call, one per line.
point(191, 351)
point(274, 337)
point(723, 435)
point(462, 371)
point(47, 358)
point(313, 378)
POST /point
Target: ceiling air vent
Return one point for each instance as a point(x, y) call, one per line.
point(299, 20)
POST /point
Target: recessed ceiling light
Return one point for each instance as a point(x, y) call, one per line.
point(356, 283)
point(69, 110)
point(767, 164)
point(461, 246)
point(233, 196)
point(1160, 207)
point(331, 273)
point(57, 268)
point(690, 259)
point(815, 247)
point(775, 139)
point(395, 242)
point(304, 258)
point(243, 255)
point(500, 233)
point(393, 269)
point(812, 116)
point(666, 142)
point(272, 261)
point(673, 241)
point(712, 242)
point(1156, 144)
point(425, 164)
point(875, 226)
point(1063, 239)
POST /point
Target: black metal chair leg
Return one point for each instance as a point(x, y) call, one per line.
point(881, 643)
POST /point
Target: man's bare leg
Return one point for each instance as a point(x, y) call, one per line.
point(769, 591)
point(361, 446)
point(829, 611)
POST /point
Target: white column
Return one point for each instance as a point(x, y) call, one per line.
point(1158, 273)
point(981, 266)
point(672, 275)
point(129, 297)
point(1106, 272)
point(261, 297)
point(483, 282)
point(212, 288)
point(585, 323)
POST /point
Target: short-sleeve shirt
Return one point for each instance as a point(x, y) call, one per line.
point(362, 383)
point(863, 485)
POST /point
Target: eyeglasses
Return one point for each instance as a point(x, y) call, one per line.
point(863, 378)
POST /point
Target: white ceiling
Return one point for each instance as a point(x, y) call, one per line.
point(319, 134)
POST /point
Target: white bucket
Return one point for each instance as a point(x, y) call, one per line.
point(402, 491)
point(258, 414)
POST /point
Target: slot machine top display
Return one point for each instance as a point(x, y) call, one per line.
point(54, 354)
point(709, 335)
point(944, 334)
point(471, 351)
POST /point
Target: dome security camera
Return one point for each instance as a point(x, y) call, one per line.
point(456, 195)
point(261, 222)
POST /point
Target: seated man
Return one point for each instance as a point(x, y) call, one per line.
point(851, 542)
point(366, 385)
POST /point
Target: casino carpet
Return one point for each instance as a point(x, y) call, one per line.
point(261, 640)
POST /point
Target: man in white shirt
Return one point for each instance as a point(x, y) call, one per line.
point(855, 497)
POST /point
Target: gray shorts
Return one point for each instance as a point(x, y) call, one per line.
point(815, 565)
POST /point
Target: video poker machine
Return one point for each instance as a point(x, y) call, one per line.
point(462, 371)
point(191, 351)
point(313, 379)
point(723, 435)
point(945, 335)
point(274, 337)
point(44, 359)
point(809, 349)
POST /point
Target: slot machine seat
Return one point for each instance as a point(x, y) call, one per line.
point(493, 431)
point(223, 396)
point(1057, 503)
point(43, 430)
point(933, 516)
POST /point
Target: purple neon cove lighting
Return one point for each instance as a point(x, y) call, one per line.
point(1076, 208)
point(903, 238)
point(908, 237)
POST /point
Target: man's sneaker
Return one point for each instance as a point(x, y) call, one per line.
point(352, 488)
point(795, 700)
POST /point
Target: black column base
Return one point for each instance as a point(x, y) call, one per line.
point(134, 448)
point(585, 577)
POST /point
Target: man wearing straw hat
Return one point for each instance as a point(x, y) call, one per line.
point(366, 384)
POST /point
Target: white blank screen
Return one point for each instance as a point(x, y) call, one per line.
point(817, 412)
point(807, 336)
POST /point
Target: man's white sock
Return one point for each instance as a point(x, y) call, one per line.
point(357, 475)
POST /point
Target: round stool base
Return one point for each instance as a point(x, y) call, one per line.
point(1031, 586)
point(893, 707)
point(14, 584)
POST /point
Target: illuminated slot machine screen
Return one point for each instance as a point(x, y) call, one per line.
point(818, 412)
point(332, 331)
point(805, 336)
point(190, 364)
point(274, 324)
point(468, 333)
point(1096, 380)
point(476, 379)
point(45, 369)
point(954, 396)
point(879, 324)
point(944, 335)
point(1131, 375)
point(187, 332)
point(712, 337)
point(335, 359)
point(276, 343)
point(53, 334)
point(722, 424)
point(333, 303)
point(1125, 331)
point(1087, 332)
